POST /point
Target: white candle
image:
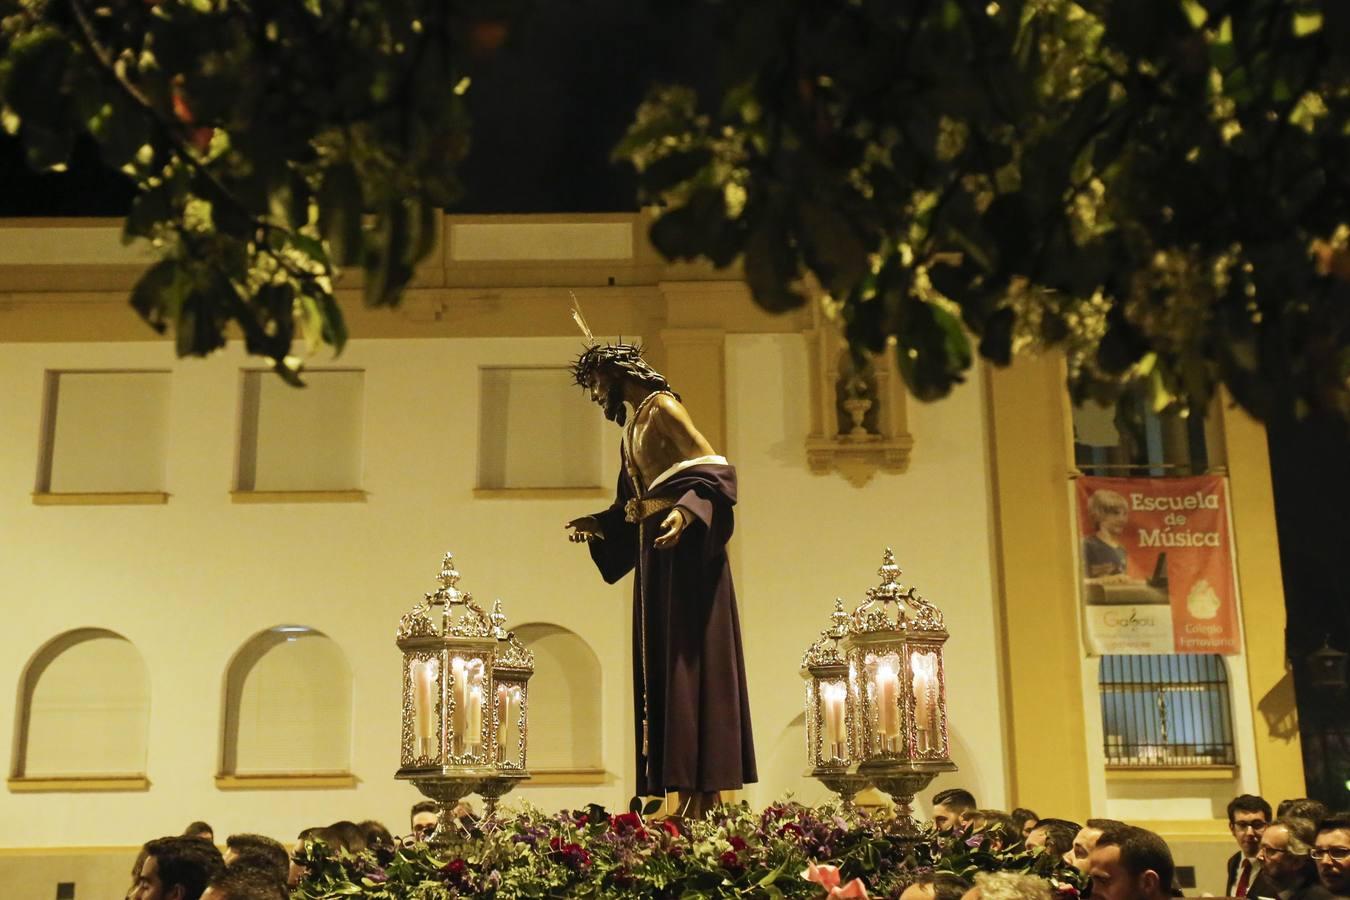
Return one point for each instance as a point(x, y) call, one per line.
point(513, 705)
point(832, 698)
point(459, 719)
point(474, 734)
point(888, 703)
point(423, 674)
point(503, 705)
point(924, 667)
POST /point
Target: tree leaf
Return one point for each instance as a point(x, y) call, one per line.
point(340, 208)
point(158, 294)
point(673, 169)
point(932, 350)
point(771, 268)
point(386, 272)
point(832, 247)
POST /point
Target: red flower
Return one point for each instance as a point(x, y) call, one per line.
point(671, 828)
point(732, 863)
point(737, 843)
point(575, 857)
point(628, 823)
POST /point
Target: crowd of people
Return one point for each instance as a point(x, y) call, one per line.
point(254, 867)
point(1301, 851)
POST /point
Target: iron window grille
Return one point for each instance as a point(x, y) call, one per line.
point(1166, 711)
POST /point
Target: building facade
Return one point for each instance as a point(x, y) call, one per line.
point(203, 569)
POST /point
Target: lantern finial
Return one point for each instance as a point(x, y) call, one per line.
point(889, 571)
point(839, 620)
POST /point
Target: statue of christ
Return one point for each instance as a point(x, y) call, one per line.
point(671, 521)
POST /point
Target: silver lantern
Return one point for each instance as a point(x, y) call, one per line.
point(895, 665)
point(455, 660)
point(887, 656)
point(832, 711)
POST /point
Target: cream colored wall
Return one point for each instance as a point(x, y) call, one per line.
point(190, 581)
point(803, 540)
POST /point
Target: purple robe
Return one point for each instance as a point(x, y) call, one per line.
point(687, 655)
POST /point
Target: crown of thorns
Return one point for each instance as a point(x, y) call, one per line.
point(626, 358)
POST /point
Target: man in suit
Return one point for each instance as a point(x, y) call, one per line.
point(1248, 816)
point(1287, 869)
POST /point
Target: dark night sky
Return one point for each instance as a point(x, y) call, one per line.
point(551, 104)
point(547, 110)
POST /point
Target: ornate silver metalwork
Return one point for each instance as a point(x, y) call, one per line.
point(464, 692)
point(912, 611)
point(511, 653)
point(876, 710)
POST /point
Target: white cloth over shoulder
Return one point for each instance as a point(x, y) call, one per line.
point(685, 464)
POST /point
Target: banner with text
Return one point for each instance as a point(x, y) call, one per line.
point(1157, 565)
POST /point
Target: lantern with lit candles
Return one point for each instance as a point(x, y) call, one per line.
point(457, 661)
point(831, 711)
point(895, 659)
point(876, 709)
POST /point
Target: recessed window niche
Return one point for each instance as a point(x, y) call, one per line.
point(288, 710)
point(297, 441)
point(536, 431)
point(565, 705)
point(83, 717)
point(104, 437)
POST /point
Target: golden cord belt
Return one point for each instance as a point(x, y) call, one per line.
point(635, 476)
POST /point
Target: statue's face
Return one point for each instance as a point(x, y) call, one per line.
point(607, 392)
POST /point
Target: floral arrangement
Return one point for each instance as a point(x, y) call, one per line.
point(787, 850)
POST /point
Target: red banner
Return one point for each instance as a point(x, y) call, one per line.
point(1157, 565)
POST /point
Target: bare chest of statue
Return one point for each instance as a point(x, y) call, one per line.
point(651, 449)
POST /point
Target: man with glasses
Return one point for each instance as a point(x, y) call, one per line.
point(1287, 869)
point(425, 816)
point(1331, 852)
point(1248, 816)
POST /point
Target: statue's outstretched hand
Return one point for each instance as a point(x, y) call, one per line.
point(584, 530)
point(671, 528)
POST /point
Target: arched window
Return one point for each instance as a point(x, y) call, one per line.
point(564, 700)
point(84, 708)
point(1169, 710)
point(288, 705)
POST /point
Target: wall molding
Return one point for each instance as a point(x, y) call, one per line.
point(288, 781)
point(76, 784)
point(345, 496)
point(100, 498)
